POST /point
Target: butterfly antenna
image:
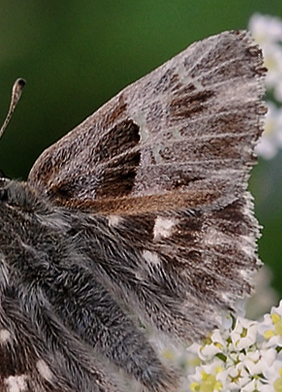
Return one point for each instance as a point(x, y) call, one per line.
point(16, 94)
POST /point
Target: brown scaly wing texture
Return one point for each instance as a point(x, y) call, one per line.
point(167, 162)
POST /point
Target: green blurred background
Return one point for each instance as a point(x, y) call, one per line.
point(77, 54)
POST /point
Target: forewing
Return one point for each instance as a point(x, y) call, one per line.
point(180, 137)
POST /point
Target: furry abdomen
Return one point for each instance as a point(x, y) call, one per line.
point(56, 305)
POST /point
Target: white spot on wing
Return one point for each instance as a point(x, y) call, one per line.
point(151, 257)
point(163, 227)
point(114, 220)
point(4, 336)
point(44, 370)
point(140, 119)
point(16, 383)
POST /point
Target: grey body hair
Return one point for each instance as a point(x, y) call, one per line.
point(60, 273)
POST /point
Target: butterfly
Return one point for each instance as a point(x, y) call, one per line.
point(139, 219)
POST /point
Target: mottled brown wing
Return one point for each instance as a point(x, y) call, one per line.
point(166, 162)
point(180, 137)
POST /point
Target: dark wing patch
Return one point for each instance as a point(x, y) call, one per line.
point(109, 173)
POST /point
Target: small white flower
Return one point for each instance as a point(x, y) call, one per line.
point(252, 386)
point(225, 320)
point(237, 359)
point(271, 139)
point(237, 377)
point(271, 327)
point(255, 362)
point(273, 375)
point(272, 59)
point(265, 28)
point(277, 309)
point(267, 31)
point(209, 378)
point(244, 334)
point(213, 345)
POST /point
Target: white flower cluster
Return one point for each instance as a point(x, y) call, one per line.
point(244, 357)
point(267, 31)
